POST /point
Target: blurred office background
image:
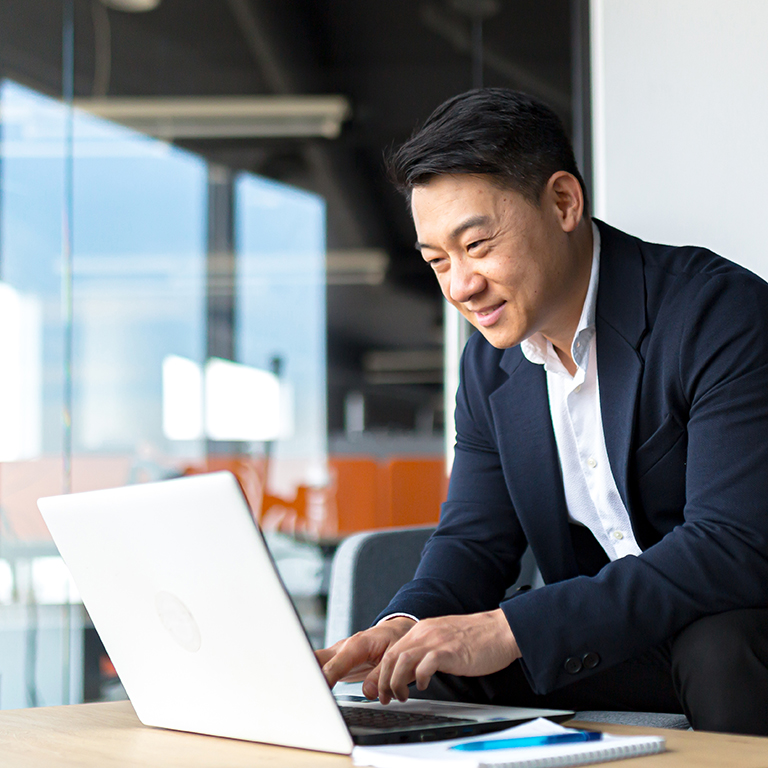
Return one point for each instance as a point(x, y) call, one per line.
point(203, 266)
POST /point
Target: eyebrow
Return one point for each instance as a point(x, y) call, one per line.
point(473, 221)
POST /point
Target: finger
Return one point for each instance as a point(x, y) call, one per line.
point(426, 669)
point(397, 672)
point(324, 655)
point(398, 663)
point(355, 675)
point(385, 674)
point(371, 684)
point(404, 672)
point(347, 662)
point(379, 639)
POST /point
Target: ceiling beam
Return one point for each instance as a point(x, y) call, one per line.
point(451, 29)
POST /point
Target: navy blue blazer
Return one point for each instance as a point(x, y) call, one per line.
point(682, 354)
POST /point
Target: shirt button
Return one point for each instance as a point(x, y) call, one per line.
point(592, 461)
point(577, 389)
point(618, 535)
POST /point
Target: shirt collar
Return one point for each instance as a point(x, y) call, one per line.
point(540, 351)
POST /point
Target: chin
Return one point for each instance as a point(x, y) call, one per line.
point(498, 339)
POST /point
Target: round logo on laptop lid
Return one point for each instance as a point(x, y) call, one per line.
point(178, 621)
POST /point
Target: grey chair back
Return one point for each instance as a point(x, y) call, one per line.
point(368, 568)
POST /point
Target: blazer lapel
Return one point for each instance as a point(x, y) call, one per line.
point(521, 412)
point(531, 465)
point(620, 328)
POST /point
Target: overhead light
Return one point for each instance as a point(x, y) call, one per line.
point(181, 117)
point(404, 366)
point(356, 266)
point(132, 6)
point(223, 400)
point(21, 402)
point(182, 398)
point(244, 403)
point(390, 360)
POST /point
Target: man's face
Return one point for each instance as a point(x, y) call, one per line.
point(504, 263)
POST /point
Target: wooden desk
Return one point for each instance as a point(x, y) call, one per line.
point(109, 736)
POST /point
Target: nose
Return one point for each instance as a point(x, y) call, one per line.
point(466, 282)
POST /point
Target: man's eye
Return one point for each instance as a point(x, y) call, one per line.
point(474, 244)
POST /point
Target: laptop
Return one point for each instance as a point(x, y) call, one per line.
point(185, 596)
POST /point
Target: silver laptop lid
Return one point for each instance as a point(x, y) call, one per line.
point(182, 589)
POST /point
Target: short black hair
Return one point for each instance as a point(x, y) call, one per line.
point(507, 135)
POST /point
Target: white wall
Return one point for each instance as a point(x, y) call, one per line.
point(680, 122)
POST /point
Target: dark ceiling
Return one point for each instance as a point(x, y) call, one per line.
point(394, 59)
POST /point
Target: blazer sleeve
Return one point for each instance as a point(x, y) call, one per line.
point(706, 369)
point(474, 555)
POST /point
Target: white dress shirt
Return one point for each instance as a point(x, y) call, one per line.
point(591, 495)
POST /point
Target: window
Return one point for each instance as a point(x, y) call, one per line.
point(111, 374)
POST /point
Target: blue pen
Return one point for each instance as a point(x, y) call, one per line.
point(530, 741)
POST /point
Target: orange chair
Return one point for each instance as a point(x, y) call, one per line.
point(358, 503)
point(412, 490)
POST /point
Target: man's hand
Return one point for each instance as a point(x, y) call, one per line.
point(352, 660)
point(470, 646)
point(389, 658)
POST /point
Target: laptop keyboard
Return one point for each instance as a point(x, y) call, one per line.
point(379, 718)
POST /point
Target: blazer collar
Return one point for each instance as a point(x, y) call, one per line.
point(621, 293)
point(621, 325)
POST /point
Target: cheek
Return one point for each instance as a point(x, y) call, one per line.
point(520, 276)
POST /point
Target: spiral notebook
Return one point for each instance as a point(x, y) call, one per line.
point(442, 754)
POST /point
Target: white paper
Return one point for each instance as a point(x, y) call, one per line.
point(439, 753)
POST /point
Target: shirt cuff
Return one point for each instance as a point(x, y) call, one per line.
point(395, 616)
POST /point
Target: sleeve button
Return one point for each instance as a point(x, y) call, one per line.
point(572, 665)
point(590, 660)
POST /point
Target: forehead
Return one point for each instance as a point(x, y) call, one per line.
point(451, 200)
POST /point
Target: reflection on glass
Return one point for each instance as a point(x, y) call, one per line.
point(139, 292)
point(245, 403)
point(182, 398)
point(236, 402)
point(147, 403)
point(139, 284)
point(280, 315)
point(31, 194)
point(21, 380)
point(139, 295)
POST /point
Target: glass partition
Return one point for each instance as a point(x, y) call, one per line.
point(143, 392)
point(32, 185)
point(139, 289)
point(280, 317)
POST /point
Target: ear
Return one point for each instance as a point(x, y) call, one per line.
point(564, 192)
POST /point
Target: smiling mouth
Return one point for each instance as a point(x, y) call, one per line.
point(487, 317)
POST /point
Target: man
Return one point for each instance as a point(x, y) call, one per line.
point(613, 416)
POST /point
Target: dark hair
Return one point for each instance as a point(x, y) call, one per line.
point(505, 134)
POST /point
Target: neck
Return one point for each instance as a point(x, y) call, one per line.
point(582, 245)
